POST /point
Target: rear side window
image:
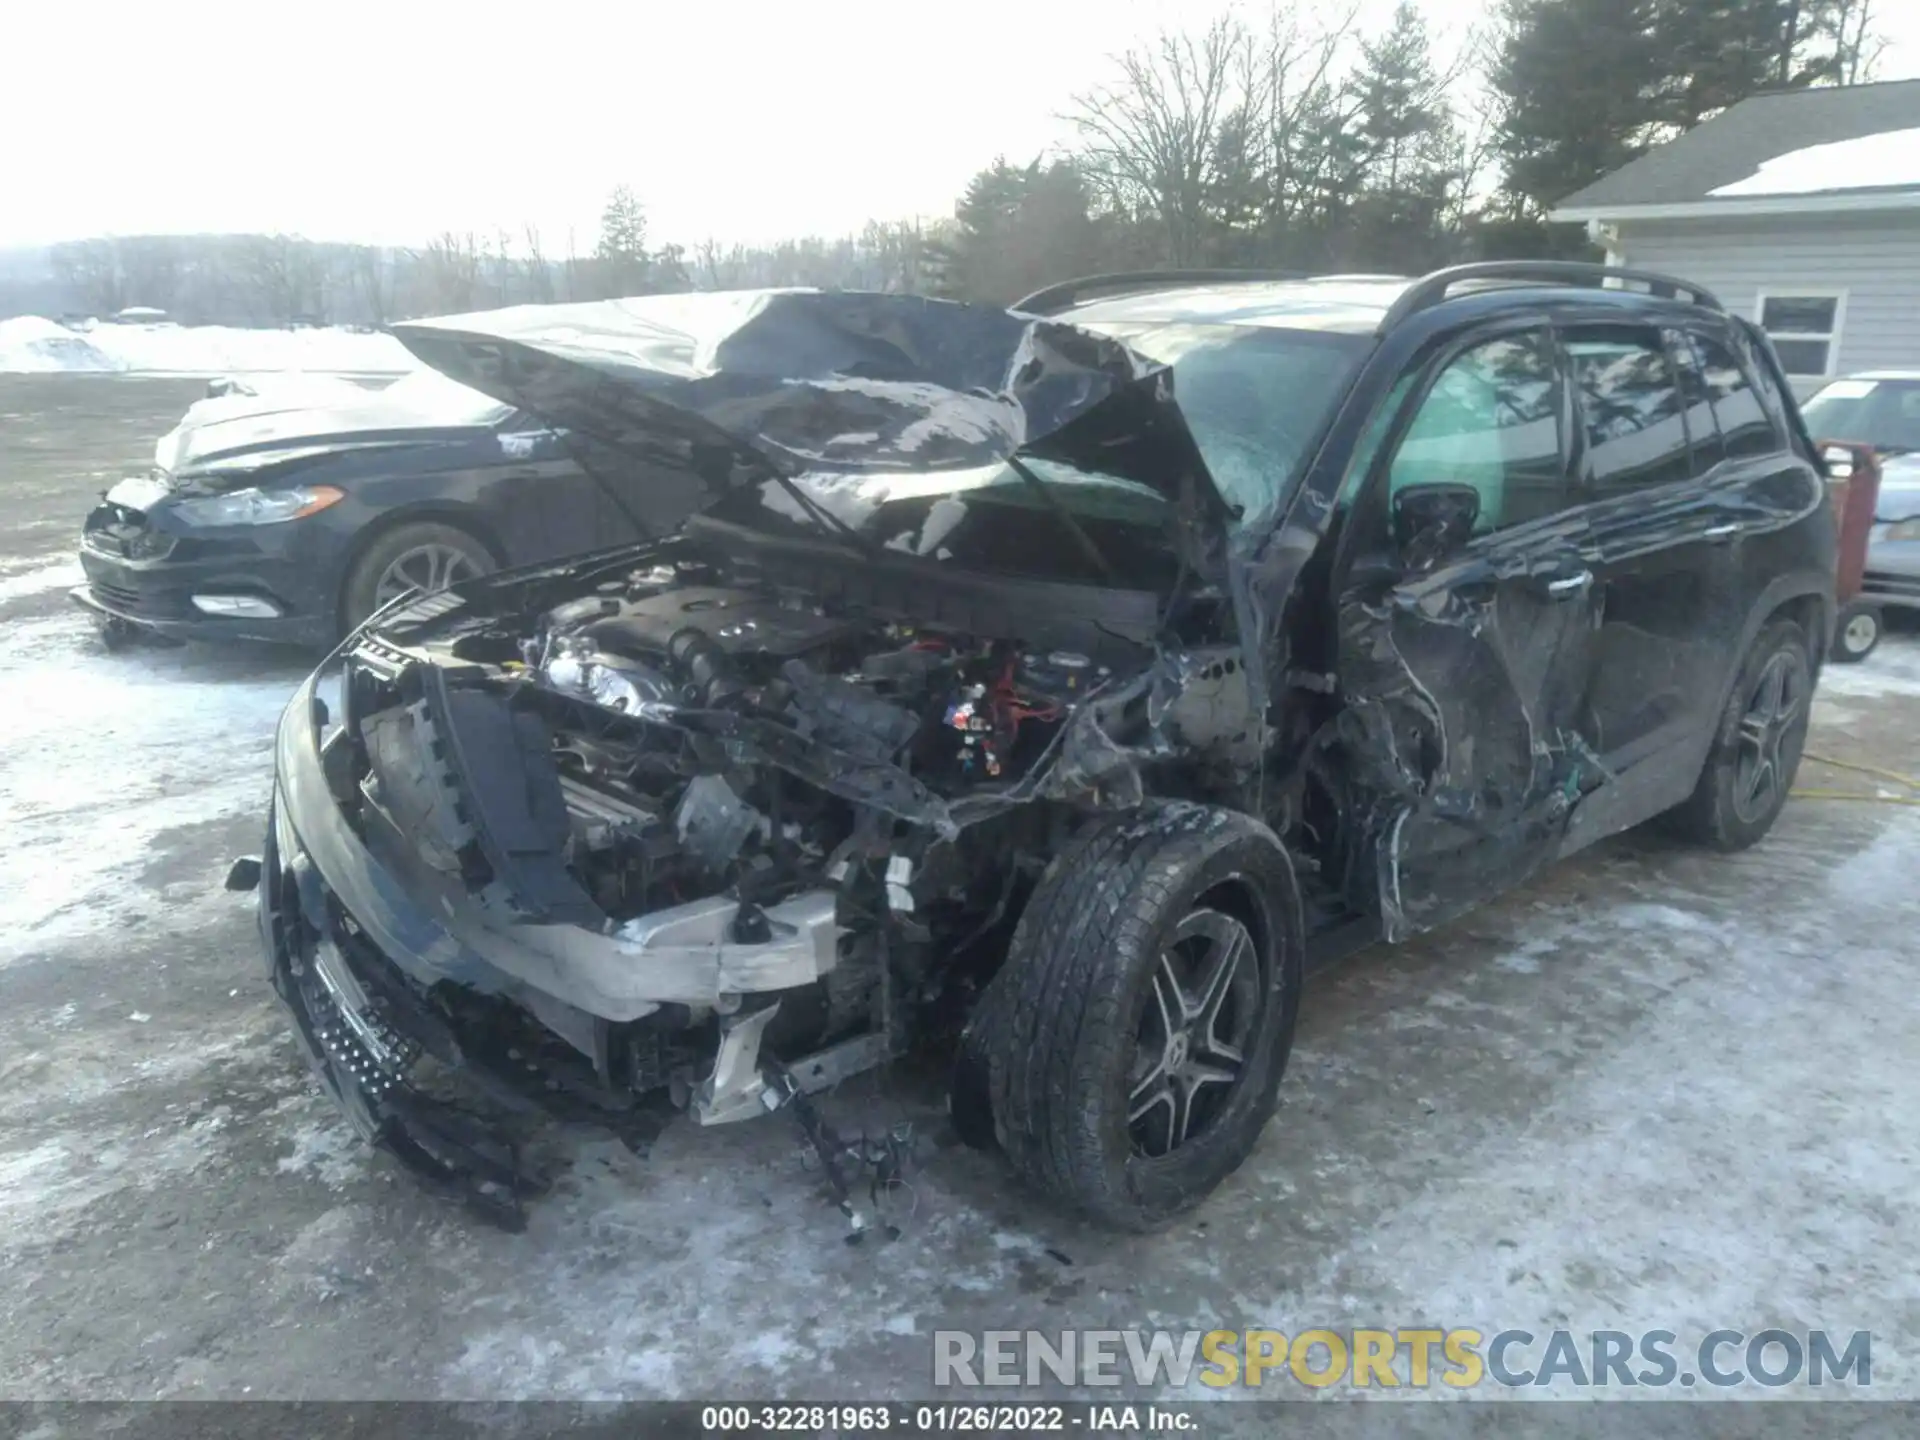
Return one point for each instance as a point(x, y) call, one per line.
point(1491, 421)
point(1745, 428)
point(1708, 451)
point(1629, 407)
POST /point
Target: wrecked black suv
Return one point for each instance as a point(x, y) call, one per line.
point(1064, 679)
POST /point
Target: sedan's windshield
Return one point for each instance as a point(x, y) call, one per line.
point(1882, 413)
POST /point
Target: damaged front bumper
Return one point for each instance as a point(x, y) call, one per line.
point(354, 956)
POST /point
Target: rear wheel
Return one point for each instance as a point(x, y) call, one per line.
point(1856, 633)
point(1145, 1014)
point(1756, 748)
point(423, 555)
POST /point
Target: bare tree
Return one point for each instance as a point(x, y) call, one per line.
point(717, 269)
point(90, 270)
point(1857, 45)
point(151, 267)
point(281, 278)
point(1150, 139)
point(371, 282)
point(539, 277)
point(452, 264)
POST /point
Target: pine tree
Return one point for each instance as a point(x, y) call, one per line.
point(1406, 126)
point(1718, 52)
point(1576, 81)
point(621, 254)
point(1015, 229)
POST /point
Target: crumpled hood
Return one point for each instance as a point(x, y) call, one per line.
point(265, 427)
point(812, 381)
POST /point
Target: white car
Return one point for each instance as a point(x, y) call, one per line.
point(1882, 409)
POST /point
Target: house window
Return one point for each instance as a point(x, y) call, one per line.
point(1804, 326)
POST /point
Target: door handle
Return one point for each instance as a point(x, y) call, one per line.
point(1567, 586)
point(1721, 532)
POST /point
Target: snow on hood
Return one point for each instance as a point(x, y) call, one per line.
point(810, 382)
point(415, 410)
point(1866, 162)
point(31, 343)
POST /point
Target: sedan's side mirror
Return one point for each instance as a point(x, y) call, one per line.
point(1432, 521)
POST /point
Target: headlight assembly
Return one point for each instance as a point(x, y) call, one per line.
point(257, 507)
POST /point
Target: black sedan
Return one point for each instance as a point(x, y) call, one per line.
point(271, 517)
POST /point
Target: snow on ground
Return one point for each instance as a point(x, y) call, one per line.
point(35, 575)
point(31, 344)
point(1864, 162)
point(101, 754)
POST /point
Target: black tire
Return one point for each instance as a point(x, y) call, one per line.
point(364, 594)
point(1856, 633)
point(1071, 1024)
point(1729, 810)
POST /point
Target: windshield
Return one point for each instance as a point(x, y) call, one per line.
point(1253, 399)
point(432, 396)
point(1882, 413)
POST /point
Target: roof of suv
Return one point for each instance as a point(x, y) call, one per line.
point(1335, 303)
point(1359, 304)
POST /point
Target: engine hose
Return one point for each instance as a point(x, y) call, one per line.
point(705, 668)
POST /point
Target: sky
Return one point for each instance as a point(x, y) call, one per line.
point(740, 120)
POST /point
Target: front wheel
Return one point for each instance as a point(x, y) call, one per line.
point(1146, 1012)
point(422, 555)
point(1756, 747)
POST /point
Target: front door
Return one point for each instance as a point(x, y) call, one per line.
point(1466, 646)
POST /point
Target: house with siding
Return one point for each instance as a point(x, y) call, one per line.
point(1800, 209)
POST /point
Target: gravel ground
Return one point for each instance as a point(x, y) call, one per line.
point(1654, 1090)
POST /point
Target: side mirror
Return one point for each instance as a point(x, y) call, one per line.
point(1432, 521)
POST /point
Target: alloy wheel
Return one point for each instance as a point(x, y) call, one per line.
point(425, 567)
point(1860, 633)
point(1196, 1031)
point(1762, 762)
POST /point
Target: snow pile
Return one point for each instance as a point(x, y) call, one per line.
point(32, 344)
point(1865, 162)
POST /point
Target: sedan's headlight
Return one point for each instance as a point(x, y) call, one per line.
point(257, 507)
point(1901, 530)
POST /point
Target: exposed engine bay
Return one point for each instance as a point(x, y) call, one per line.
point(771, 838)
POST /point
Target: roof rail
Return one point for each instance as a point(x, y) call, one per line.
point(1068, 293)
point(1430, 290)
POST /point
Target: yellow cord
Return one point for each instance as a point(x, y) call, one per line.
point(1874, 770)
point(1800, 794)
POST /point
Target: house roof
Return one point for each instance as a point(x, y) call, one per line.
point(1751, 159)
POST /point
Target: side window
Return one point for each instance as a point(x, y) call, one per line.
point(1491, 421)
point(1901, 409)
point(1707, 448)
point(1744, 426)
point(1629, 407)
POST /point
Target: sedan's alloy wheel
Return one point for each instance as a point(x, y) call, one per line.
point(427, 568)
